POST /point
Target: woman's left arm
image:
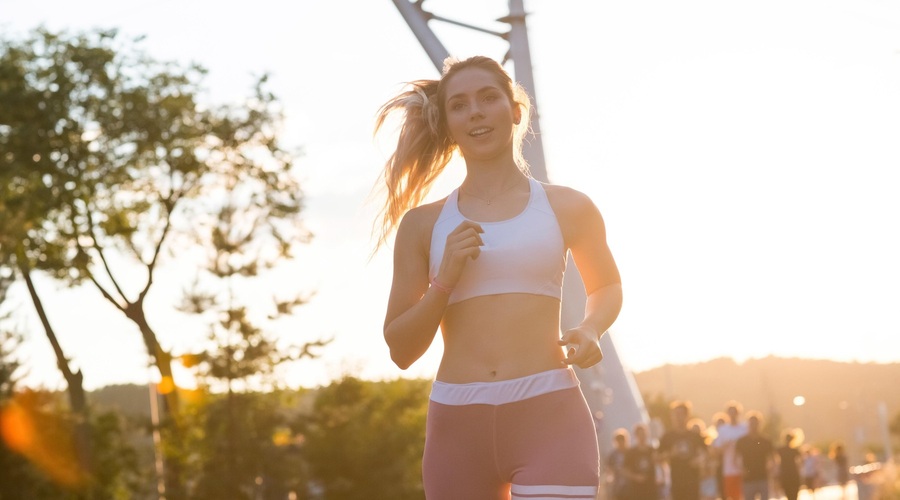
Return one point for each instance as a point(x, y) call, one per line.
point(585, 234)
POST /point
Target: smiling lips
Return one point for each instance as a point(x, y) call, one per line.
point(478, 132)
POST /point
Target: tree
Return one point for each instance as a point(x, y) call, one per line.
point(38, 450)
point(130, 158)
point(37, 456)
point(18, 479)
point(241, 349)
point(241, 357)
point(117, 473)
point(26, 199)
point(242, 447)
point(365, 439)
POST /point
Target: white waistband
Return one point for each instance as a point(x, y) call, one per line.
point(503, 391)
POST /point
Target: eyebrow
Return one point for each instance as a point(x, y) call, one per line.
point(479, 91)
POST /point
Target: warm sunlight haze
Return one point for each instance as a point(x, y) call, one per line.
point(744, 156)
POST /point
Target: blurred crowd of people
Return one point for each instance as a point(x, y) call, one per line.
point(729, 459)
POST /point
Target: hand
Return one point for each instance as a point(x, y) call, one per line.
point(582, 347)
point(463, 243)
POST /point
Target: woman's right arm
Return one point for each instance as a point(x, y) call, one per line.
point(415, 309)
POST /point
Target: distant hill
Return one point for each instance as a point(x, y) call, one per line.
point(129, 399)
point(843, 401)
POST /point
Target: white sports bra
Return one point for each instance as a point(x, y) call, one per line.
point(524, 254)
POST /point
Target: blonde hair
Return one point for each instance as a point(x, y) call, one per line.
point(424, 146)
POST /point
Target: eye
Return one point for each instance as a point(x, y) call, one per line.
point(490, 97)
point(456, 106)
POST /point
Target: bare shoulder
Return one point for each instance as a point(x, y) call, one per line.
point(577, 215)
point(568, 202)
point(417, 223)
point(423, 215)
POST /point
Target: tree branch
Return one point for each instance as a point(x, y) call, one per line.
point(90, 275)
point(99, 248)
point(151, 267)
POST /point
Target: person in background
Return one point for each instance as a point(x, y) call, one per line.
point(789, 460)
point(841, 465)
point(615, 465)
point(728, 434)
point(485, 265)
point(811, 469)
point(719, 419)
point(757, 456)
point(684, 451)
point(709, 487)
point(640, 467)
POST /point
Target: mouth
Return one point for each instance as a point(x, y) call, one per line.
point(480, 131)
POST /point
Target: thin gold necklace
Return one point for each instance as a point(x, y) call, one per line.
point(492, 198)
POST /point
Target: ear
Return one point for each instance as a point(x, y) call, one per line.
point(517, 114)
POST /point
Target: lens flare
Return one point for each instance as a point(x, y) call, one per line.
point(30, 428)
point(166, 385)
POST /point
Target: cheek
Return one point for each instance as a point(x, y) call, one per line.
point(455, 126)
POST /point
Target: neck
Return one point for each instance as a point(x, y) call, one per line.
point(492, 179)
point(498, 166)
point(491, 189)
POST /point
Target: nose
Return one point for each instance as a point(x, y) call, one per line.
point(475, 111)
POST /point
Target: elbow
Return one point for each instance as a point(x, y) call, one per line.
point(398, 356)
point(401, 361)
point(401, 357)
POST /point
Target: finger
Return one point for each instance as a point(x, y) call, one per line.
point(463, 248)
point(592, 360)
point(467, 238)
point(469, 253)
point(467, 225)
point(572, 353)
point(583, 356)
point(462, 242)
point(473, 240)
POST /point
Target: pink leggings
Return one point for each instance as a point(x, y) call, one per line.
point(528, 438)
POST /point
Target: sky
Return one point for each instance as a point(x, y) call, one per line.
point(745, 157)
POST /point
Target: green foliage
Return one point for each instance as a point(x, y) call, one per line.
point(10, 365)
point(365, 440)
point(45, 465)
point(237, 448)
point(18, 478)
point(118, 473)
point(29, 473)
point(240, 346)
point(103, 144)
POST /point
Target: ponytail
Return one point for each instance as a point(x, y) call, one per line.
point(423, 150)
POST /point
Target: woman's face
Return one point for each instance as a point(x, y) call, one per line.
point(481, 119)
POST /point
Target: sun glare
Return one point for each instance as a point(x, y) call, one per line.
point(45, 439)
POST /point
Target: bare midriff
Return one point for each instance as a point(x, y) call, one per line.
point(500, 337)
